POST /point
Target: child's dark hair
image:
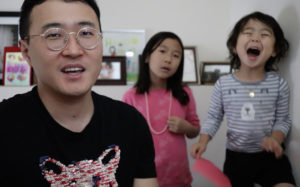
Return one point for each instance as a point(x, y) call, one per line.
point(281, 44)
point(28, 6)
point(174, 83)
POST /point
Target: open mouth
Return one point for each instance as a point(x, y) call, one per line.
point(253, 52)
point(73, 70)
point(165, 68)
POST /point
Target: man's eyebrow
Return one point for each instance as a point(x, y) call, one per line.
point(51, 25)
point(86, 23)
point(59, 25)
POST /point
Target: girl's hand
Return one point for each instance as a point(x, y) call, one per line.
point(181, 126)
point(270, 144)
point(177, 125)
point(199, 148)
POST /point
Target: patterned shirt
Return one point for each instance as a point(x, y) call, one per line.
point(252, 110)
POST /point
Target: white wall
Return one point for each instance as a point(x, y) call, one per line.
point(201, 23)
point(205, 24)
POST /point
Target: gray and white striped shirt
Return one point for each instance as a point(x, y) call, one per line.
point(249, 119)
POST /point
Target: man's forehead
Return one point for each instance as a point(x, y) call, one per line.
point(60, 13)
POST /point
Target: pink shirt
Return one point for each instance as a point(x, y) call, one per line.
point(171, 158)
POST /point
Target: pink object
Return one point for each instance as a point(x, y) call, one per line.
point(207, 169)
point(171, 158)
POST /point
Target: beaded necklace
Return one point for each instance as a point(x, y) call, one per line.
point(148, 115)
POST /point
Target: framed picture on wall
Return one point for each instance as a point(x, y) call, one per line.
point(190, 73)
point(212, 71)
point(9, 34)
point(16, 71)
point(113, 71)
point(125, 42)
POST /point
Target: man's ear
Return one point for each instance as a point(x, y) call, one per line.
point(24, 49)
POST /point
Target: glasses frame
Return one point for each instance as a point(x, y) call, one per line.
point(67, 37)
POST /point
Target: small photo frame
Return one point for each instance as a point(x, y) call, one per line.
point(113, 71)
point(190, 74)
point(212, 71)
point(16, 71)
point(9, 36)
point(125, 42)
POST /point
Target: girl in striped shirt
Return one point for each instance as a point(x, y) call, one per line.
point(255, 101)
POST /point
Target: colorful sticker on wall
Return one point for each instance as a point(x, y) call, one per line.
point(17, 72)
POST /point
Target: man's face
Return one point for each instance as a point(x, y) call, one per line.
point(73, 70)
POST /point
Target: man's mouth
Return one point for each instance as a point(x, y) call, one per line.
point(72, 70)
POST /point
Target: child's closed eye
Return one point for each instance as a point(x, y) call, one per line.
point(265, 34)
point(247, 33)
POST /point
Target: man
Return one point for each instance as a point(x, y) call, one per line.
point(61, 133)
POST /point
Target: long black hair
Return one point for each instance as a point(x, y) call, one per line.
point(281, 44)
point(174, 83)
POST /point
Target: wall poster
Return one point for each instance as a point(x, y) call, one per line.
point(129, 43)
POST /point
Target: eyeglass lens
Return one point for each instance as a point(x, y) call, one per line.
point(57, 38)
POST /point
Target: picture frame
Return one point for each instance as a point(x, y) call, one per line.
point(212, 71)
point(16, 71)
point(125, 42)
point(190, 73)
point(113, 71)
point(9, 34)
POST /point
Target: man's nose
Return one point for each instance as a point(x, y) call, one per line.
point(73, 48)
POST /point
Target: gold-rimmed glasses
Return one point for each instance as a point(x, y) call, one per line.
point(57, 38)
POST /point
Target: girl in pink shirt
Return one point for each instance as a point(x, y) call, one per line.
point(168, 106)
